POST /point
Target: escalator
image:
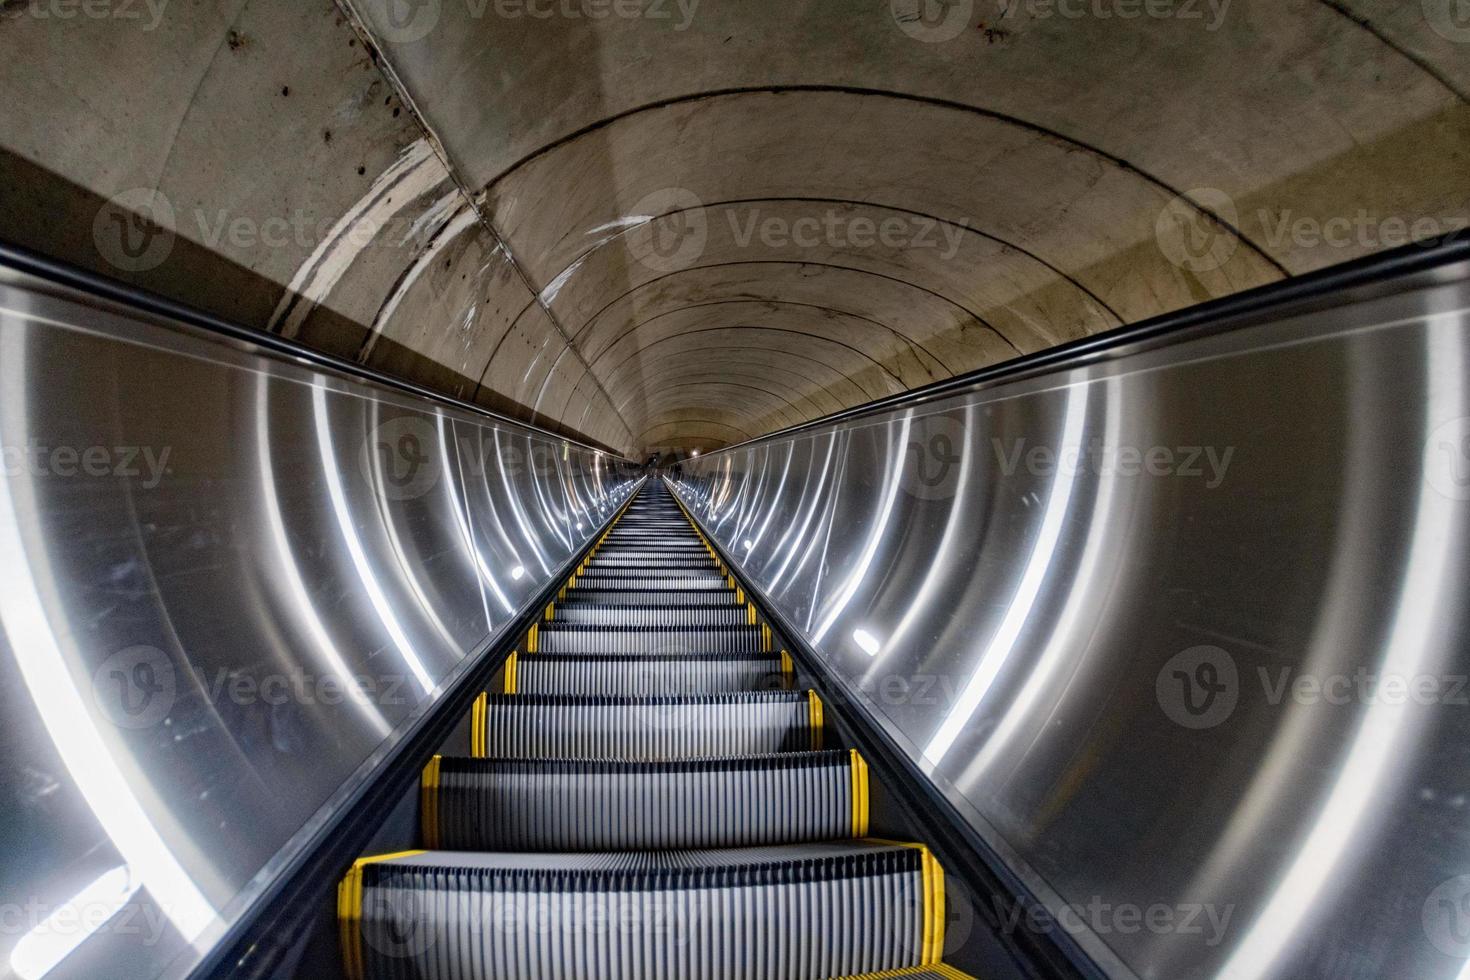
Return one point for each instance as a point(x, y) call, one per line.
point(649, 795)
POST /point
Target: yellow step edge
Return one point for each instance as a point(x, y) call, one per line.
point(349, 911)
point(939, 969)
point(429, 802)
point(477, 725)
point(933, 884)
point(788, 670)
point(512, 672)
point(814, 715)
point(859, 794)
point(531, 636)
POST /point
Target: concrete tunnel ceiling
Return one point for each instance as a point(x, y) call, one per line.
point(658, 224)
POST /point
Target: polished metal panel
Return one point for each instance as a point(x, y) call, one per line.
point(228, 580)
point(1180, 625)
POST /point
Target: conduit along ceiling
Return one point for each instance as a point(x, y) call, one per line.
point(683, 223)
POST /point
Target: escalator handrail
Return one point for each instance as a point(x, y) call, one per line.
point(1347, 282)
point(20, 260)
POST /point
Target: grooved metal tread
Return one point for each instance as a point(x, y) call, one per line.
point(648, 799)
point(589, 805)
point(939, 971)
point(651, 728)
point(631, 674)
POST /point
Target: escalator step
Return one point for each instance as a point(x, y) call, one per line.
point(653, 597)
point(555, 637)
point(657, 562)
point(799, 912)
point(636, 579)
point(939, 971)
point(545, 726)
point(586, 614)
point(580, 805)
point(648, 676)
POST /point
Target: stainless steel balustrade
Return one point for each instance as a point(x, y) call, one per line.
point(1178, 624)
point(228, 580)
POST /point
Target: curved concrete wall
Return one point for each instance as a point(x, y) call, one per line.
point(661, 224)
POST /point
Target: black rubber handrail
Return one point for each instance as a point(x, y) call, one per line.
point(1337, 283)
point(258, 944)
point(65, 274)
point(1050, 953)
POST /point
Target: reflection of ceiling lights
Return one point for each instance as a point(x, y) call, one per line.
point(867, 641)
point(694, 452)
point(51, 941)
point(749, 545)
point(518, 572)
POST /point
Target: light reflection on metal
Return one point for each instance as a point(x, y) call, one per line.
point(285, 558)
point(797, 532)
point(345, 519)
point(71, 723)
point(1387, 727)
point(264, 555)
point(1018, 638)
point(940, 566)
point(530, 536)
point(891, 481)
point(50, 941)
point(462, 520)
point(406, 567)
point(1048, 535)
